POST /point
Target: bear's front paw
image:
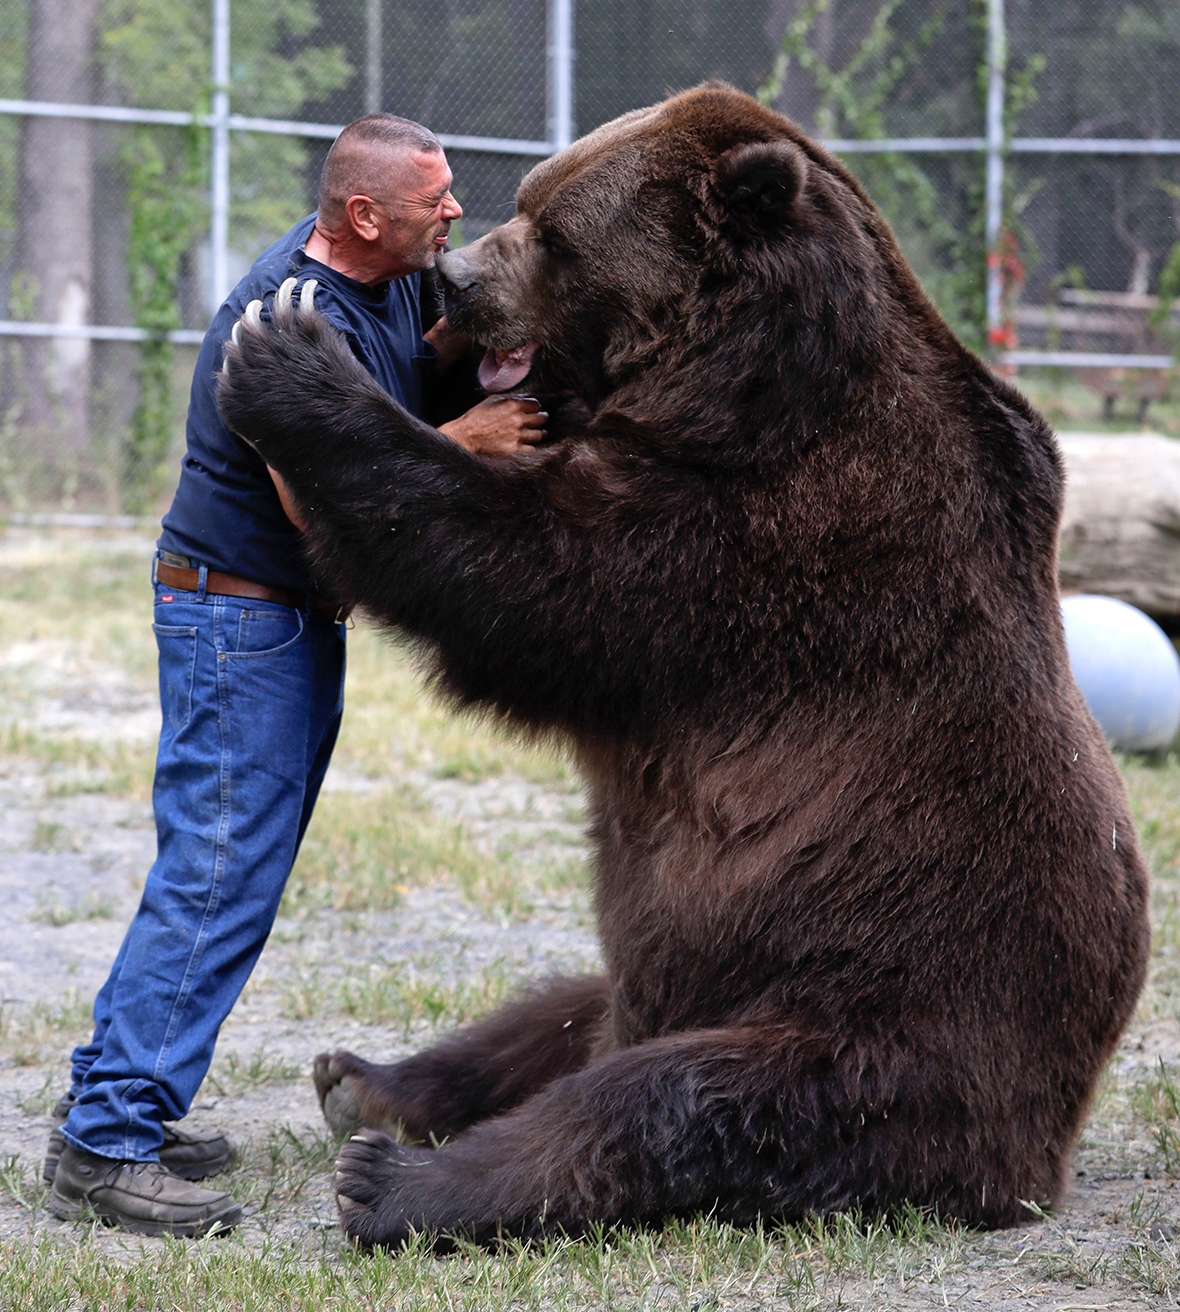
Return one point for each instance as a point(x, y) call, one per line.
point(383, 1190)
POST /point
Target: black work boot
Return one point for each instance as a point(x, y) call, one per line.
point(190, 1154)
point(143, 1197)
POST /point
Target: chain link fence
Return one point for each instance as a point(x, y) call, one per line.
point(1028, 156)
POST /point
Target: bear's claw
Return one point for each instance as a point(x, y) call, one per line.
point(283, 297)
point(282, 310)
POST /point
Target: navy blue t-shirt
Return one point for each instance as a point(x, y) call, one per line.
point(226, 513)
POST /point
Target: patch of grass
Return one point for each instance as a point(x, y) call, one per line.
point(695, 1265)
point(402, 997)
point(1067, 403)
point(21, 1181)
point(363, 852)
point(52, 910)
point(1152, 1266)
point(399, 997)
point(1156, 1101)
point(391, 726)
point(75, 765)
point(277, 1170)
point(42, 1102)
point(53, 836)
point(234, 1074)
point(27, 1036)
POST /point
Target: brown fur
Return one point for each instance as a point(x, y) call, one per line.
point(871, 902)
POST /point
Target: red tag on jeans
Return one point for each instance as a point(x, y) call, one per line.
point(166, 597)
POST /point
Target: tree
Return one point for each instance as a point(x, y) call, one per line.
point(54, 248)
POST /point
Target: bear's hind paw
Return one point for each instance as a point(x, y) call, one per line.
point(376, 1191)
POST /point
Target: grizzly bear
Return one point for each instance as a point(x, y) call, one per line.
point(871, 903)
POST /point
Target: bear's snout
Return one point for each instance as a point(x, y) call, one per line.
point(460, 281)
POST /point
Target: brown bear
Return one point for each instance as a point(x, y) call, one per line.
point(871, 902)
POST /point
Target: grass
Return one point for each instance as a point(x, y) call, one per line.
point(1156, 1102)
point(28, 1036)
point(1067, 403)
point(53, 910)
point(403, 997)
point(692, 1265)
point(234, 1074)
point(364, 851)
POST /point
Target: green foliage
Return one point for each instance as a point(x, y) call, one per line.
point(156, 54)
point(1169, 283)
point(167, 215)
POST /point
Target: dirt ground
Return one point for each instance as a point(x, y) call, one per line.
point(381, 980)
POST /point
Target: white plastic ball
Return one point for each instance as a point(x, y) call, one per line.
point(1127, 669)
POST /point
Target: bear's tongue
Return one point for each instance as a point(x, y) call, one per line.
point(500, 371)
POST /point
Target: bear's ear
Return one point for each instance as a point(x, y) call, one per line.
point(759, 183)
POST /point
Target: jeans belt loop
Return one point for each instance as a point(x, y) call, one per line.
point(202, 580)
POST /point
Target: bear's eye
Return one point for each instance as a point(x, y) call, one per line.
point(555, 244)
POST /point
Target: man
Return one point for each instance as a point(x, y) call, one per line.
point(251, 663)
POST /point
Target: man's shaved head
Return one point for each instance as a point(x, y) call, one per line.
point(367, 159)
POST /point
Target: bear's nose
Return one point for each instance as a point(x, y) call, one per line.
point(460, 281)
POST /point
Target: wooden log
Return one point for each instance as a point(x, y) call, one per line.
point(1120, 533)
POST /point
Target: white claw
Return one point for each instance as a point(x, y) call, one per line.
point(253, 315)
point(283, 297)
point(307, 296)
point(235, 335)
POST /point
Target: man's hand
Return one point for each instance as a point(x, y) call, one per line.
point(499, 425)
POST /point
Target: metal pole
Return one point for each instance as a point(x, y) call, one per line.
point(373, 57)
point(560, 88)
point(219, 228)
point(994, 186)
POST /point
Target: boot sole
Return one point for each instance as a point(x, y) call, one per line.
point(69, 1209)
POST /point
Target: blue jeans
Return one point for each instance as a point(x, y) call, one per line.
point(252, 693)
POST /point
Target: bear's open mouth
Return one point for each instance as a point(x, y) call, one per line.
point(500, 371)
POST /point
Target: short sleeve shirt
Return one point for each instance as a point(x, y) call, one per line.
point(226, 513)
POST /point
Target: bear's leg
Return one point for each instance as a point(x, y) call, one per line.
point(739, 1122)
point(483, 1070)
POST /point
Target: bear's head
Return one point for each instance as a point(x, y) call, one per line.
point(703, 233)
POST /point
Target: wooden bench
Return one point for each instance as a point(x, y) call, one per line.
point(1116, 323)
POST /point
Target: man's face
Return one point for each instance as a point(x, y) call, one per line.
point(414, 221)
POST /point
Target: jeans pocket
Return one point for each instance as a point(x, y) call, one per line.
point(177, 645)
point(265, 632)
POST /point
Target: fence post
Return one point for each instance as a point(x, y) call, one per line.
point(219, 226)
point(994, 186)
point(559, 128)
point(373, 57)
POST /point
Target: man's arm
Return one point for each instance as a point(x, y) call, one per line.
point(498, 425)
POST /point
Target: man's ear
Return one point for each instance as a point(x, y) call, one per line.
point(759, 183)
point(359, 210)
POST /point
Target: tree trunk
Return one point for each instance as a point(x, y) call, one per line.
point(1120, 534)
point(54, 241)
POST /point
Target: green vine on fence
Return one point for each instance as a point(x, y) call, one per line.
point(166, 208)
point(852, 103)
point(946, 249)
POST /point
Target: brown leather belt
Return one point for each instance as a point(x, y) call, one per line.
point(229, 585)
